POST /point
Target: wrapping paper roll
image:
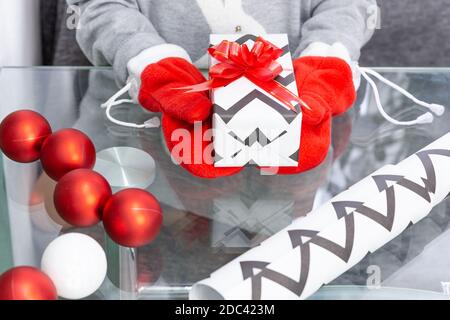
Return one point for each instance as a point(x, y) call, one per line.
point(233, 272)
point(316, 249)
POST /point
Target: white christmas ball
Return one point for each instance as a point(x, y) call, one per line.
point(76, 263)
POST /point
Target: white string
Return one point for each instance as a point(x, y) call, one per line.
point(111, 102)
point(437, 109)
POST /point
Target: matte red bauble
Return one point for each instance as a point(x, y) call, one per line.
point(22, 134)
point(26, 283)
point(80, 196)
point(67, 150)
point(132, 217)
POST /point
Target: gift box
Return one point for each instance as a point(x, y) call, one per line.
point(251, 125)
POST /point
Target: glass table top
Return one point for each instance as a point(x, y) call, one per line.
point(209, 222)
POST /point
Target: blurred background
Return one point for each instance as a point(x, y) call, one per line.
point(412, 33)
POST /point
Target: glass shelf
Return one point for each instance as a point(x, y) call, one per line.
point(208, 223)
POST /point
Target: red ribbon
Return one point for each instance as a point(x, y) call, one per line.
point(258, 65)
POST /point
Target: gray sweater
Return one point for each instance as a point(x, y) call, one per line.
point(113, 32)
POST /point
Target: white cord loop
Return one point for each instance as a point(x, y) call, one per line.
point(151, 123)
point(428, 117)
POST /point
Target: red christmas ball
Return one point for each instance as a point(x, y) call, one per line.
point(22, 134)
point(67, 150)
point(26, 283)
point(80, 196)
point(132, 217)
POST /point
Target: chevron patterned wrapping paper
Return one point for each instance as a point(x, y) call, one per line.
point(250, 125)
point(316, 249)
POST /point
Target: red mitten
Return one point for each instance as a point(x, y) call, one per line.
point(180, 110)
point(199, 161)
point(325, 84)
point(157, 93)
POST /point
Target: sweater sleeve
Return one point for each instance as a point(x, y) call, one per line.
point(349, 22)
point(112, 32)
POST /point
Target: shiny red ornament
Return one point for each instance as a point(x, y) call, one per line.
point(132, 217)
point(26, 283)
point(67, 150)
point(80, 196)
point(22, 134)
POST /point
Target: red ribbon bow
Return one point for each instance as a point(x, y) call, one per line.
point(258, 65)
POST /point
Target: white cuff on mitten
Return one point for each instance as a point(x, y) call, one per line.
point(338, 50)
point(137, 64)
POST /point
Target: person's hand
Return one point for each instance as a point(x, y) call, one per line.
point(185, 115)
point(325, 84)
point(158, 90)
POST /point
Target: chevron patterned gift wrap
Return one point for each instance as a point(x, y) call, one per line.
point(316, 249)
point(250, 125)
